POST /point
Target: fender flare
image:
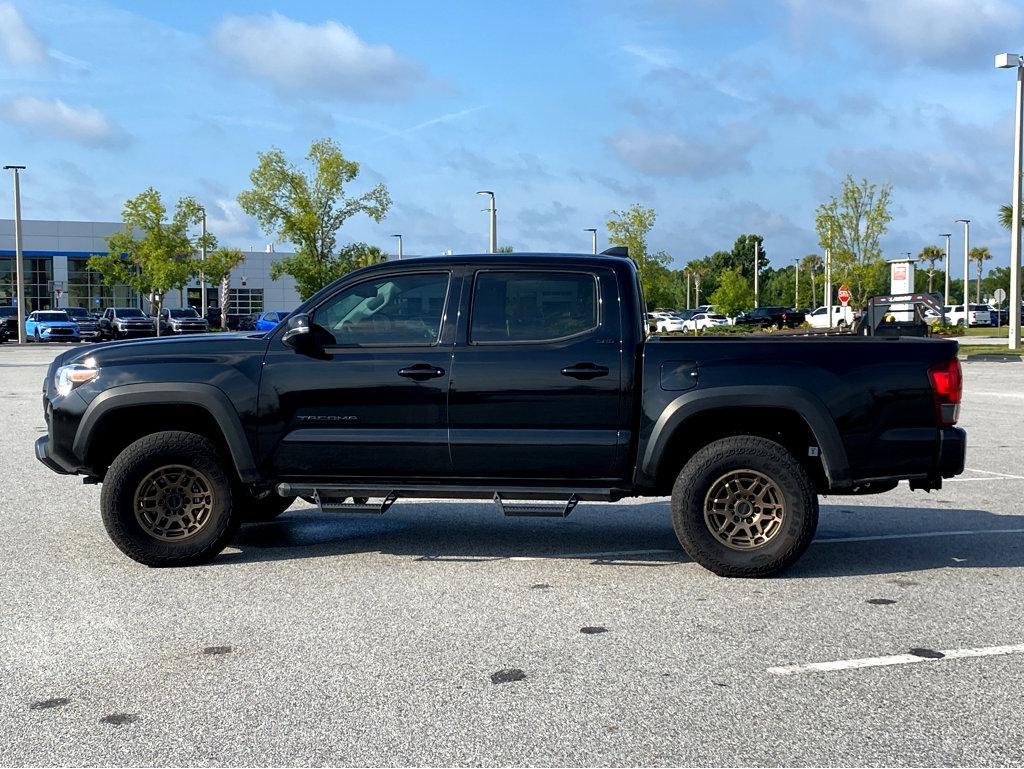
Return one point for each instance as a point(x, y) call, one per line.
point(803, 403)
point(206, 396)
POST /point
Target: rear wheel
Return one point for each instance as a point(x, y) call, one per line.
point(168, 501)
point(744, 507)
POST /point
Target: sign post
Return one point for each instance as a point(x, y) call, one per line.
point(999, 296)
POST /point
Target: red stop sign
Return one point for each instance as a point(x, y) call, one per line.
point(844, 295)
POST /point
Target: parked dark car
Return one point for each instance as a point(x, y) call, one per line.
point(504, 377)
point(8, 323)
point(126, 323)
point(182, 320)
point(88, 327)
point(771, 317)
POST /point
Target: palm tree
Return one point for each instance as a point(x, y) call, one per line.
point(931, 255)
point(979, 254)
point(811, 265)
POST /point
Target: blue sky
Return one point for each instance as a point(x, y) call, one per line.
point(726, 117)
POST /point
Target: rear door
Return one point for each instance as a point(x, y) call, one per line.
point(535, 389)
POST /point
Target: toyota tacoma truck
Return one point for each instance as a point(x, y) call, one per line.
point(530, 380)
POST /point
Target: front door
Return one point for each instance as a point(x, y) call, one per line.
point(536, 386)
point(373, 404)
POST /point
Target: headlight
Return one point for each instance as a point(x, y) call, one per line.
point(68, 378)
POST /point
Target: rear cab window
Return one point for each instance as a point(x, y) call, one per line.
point(533, 306)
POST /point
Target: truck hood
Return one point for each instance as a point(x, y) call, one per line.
point(169, 348)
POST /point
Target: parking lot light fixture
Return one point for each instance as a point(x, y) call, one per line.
point(1011, 61)
point(593, 238)
point(19, 272)
point(493, 240)
point(945, 295)
point(399, 244)
point(967, 265)
point(202, 274)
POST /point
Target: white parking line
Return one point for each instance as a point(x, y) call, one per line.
point(990, 472)
point(895, 659)
point(919, 535)
point(1001, 395)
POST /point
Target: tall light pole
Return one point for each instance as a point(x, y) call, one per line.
point(796, 284)
point(945, 296)
point(202, 275)
point(399, 245)
point(967, 264)
point(687, 271)
point(828, 276)
point(757, 275)
point(1006, 61)
point(19, 292)
point(593, 238)
point(494, 222)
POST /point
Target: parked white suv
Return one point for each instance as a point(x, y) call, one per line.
point(977, 315)
point(664, 321)
point(841, 316)
point(703, 320)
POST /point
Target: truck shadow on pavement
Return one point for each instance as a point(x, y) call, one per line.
point(897, 539)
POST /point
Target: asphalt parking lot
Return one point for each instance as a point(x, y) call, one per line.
point(443, 633)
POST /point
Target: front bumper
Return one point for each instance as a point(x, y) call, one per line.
point(135, 333)
point(44, 455)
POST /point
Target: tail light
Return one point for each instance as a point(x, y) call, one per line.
point(947, 386)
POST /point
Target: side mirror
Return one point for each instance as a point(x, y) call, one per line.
point(298, 332)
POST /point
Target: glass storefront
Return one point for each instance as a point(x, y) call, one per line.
point(86, 289)
point(38, 282)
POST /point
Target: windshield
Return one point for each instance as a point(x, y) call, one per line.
point(979, 308)
point(8, 312)
point(52, 317)
point(717, 317)
point(77, 312)
point(185, 312)
point(129, 312)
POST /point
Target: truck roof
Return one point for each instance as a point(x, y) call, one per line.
point(499, 259)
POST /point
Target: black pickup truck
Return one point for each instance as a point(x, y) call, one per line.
point(772, 317)
point(526, 379)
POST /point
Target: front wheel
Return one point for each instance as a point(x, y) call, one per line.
point(168, 501)
point(744, 506)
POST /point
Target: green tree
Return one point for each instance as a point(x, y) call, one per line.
point(851, 225)
point(311, 275)
point(979, 255)
point(1006, 215)
point(308, 210)
point(152, 254)
point(504, 250)
point(733, 295)
point(699, 270)
point(629, 228)
point(930, 255)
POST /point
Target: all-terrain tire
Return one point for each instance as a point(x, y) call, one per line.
point(766, 458)
point(130, 470)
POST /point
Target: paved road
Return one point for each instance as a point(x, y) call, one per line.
point(322, 639)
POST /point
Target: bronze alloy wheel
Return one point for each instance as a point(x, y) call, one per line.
point(174, 502)
point(744, 509)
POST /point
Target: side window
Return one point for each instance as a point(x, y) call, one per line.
point(532, 306)
point(393, 310)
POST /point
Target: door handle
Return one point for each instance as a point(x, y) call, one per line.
point(585, 371)
point(421, 372)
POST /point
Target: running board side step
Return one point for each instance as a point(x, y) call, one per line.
point(534, 509)
point(450, 491)
point(337, 504)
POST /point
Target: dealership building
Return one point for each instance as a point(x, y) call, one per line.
point(55, 255)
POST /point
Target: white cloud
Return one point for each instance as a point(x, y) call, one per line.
point(86, 125)
point(941, 33)
point(18, 43)
point(328, 59)
point(674, 154)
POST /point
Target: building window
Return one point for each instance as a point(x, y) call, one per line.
point(87, 289)
point(246, 301)
point(38, 282)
